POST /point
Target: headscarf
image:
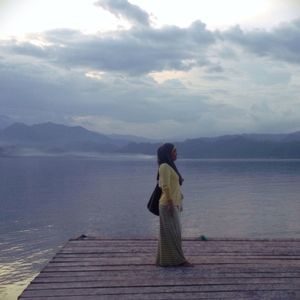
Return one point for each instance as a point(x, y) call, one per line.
point(164, 156)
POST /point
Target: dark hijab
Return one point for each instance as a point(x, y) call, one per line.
point(164, 156)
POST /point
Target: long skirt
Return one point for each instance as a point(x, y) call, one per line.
point(169, 252)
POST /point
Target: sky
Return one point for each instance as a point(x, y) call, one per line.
point(152, 68)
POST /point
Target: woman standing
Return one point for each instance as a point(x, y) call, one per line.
point(170, 205)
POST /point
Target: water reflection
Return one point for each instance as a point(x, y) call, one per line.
point(242, 198)
point(11, 291)
point(46, 201)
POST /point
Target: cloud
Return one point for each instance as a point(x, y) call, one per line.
point(123, 9)
point(281, 43)
point(145, 49)
point(35, 93)
point(193, 119)
point(267, 75)
point(158, 82)
point(136, 51)
point(112, 104)
point(215, 69)
point(109, 125)
point(266, 118)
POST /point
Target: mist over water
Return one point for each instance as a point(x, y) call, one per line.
point(47, 200)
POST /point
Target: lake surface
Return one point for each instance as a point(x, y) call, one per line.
point(47, 200)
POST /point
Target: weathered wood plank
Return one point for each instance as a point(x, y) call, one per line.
point(95, 258)
point(92, 268)
point(115, 274)
point(190, 251)
point(157, 280)
point(208, 242)
point(187, 243)
point(188, 246)
point(200, 245)
point(157, 289)
point(212, 264)
point(198, 260)
point(228, 268)
point(188, 239)
point(253, 295)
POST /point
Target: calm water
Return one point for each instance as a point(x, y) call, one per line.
point(47, 200)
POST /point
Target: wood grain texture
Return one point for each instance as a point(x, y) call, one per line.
point(91, 268)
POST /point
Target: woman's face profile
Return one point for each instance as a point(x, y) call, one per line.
point(174, 154)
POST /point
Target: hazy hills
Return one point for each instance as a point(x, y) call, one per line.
point(56, 138)
point(231, 146)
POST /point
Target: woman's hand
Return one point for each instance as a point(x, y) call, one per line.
point(170, 208)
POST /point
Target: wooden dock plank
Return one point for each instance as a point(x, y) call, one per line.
point(259, 295)
point(218, 291)
point(93, 268)
point(113, 274)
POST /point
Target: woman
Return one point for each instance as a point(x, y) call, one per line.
point(170, 205)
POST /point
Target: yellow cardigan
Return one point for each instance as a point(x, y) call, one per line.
point(169, 183)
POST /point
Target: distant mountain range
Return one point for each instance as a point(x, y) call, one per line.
point(252, 146)
point(57, 138)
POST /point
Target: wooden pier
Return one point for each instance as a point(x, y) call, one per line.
point(91, 268)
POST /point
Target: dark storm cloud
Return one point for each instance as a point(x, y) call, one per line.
point(126, 10)
point(136, 51)
point(32, 89)
point(283, 42)
point(24, 48)
point(46, 77)
point(30, 94)
point(143, 50)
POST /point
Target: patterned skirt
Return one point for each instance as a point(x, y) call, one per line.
point(169, 252)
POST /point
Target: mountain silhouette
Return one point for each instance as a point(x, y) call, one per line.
point(56, 138)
